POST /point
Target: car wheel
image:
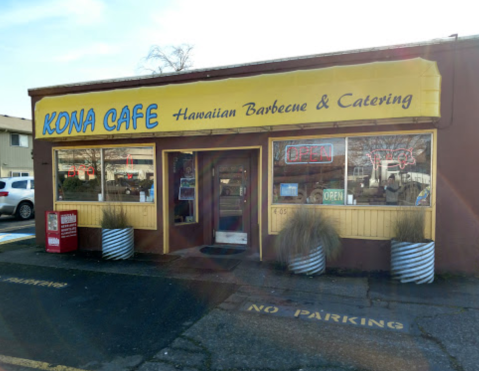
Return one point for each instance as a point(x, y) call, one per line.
point(24, 211)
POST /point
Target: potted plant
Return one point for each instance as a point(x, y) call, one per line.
point(412, 256)
point(306, 241)
point(117, 235)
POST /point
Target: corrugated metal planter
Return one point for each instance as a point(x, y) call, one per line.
point(313, 263)
point(412, 262)
point(117, 244)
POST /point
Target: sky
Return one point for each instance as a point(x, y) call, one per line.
point(54, 42)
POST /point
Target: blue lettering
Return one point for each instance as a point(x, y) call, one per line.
point(407, 101)
point(251, 110)
point(74, 121)
point(58, 123)
point(112, 112)
point(46, 124)
point(150, 116)
point(90, 120)
point(177, 115)
point(124, 117)
point(340, 104)
point(137, 115)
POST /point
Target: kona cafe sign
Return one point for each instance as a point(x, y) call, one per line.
point(374, 91)
point(309, 154)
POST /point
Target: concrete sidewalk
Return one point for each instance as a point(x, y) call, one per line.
point(369, 321)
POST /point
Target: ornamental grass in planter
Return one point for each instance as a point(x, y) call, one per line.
point(116, 234)
point(306, 241)
point(412, 255)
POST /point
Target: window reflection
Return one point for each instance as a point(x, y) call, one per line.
point(129, 174)
point(78, 174)
point(306, 170)
point(390, 170)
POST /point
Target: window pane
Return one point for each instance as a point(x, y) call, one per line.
point(15, 139)
point(22, 184)
point(24, 174)
point(78, 172)
point(2, 185)
point(129, 174)
point(184, 186)
point(32, 184)
point(15, 173)
point(309, 171)
point(390, 170)
point(23, 141)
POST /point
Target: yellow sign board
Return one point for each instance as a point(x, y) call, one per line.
point(373, 91)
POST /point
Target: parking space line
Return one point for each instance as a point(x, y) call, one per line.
point(15, 239)
point(35, 364)
point(9, 229)
point(34, 282)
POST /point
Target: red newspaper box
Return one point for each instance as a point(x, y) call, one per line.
point(61, 231)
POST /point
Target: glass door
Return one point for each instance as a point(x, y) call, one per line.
point(232, 202)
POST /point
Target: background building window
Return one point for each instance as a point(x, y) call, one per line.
point(19, 140)
point(390, 170)
point(309, 171)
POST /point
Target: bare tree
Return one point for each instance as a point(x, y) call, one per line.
point(171, 58)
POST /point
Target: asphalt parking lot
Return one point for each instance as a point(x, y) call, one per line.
point(87, 319)
point(12, 229)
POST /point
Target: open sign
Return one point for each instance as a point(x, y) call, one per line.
point(309, 154)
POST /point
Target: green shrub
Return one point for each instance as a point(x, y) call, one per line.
point(409, 227)
point(72, 184)
point(304, 231)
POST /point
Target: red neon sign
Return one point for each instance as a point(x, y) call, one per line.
point(403, 157)
point(309, 154)
point(129, 162)
point(81, 170)
point(129, 165)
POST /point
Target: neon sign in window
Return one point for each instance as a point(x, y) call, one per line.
point(403, 157)
point(80, 171)
point(309, 154)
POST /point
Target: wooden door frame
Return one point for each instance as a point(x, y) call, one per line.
point(165, 188)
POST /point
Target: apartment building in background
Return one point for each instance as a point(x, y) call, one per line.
point(16, 146)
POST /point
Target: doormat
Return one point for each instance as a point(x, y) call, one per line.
point(207, 264)
point(222, 250)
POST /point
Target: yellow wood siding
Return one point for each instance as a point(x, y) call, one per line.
point(373, 223)
point(140, 216)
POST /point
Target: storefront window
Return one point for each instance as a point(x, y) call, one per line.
point(128, 174)
point(309, 171)
point(389, 170)
point(79, 174)
point(184, 186)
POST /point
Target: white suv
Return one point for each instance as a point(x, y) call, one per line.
point(17, 197)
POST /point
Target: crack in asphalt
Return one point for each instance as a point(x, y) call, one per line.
point(424, 334)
